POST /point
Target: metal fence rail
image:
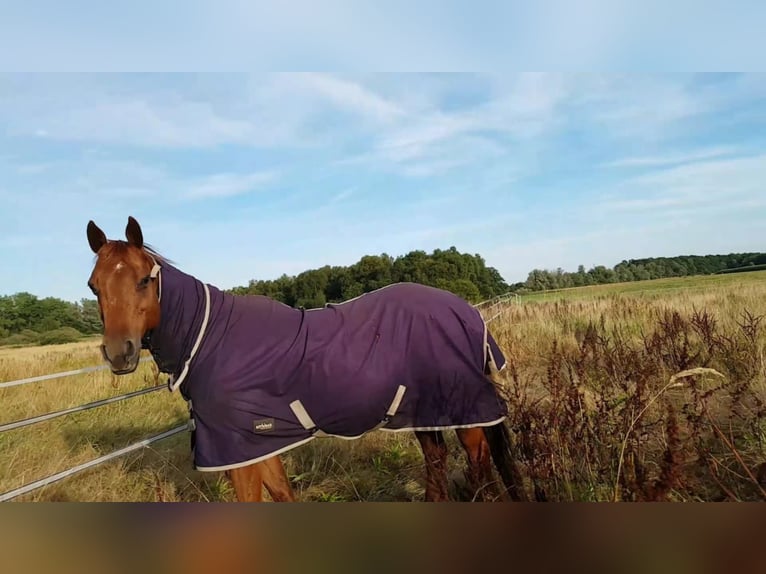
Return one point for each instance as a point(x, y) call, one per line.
point(85, 407)
point(497, 305)
point(60, 375)
point(27, 488)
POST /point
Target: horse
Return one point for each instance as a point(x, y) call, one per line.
point(261, 377)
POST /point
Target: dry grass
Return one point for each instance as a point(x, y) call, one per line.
point(595, 411)
point(641, 395)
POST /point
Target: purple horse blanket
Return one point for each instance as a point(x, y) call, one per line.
point(266, 377)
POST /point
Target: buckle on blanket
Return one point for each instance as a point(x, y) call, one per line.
point(392, 408)
point(303, 417)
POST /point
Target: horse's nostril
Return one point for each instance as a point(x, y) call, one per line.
point(130, 348)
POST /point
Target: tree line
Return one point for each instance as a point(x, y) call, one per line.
point(640, 270)
point(463, 274)
point(27, 319)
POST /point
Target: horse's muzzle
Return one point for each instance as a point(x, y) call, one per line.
point(122, 357)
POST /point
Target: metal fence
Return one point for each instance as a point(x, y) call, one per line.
point(490, 308)
point(27, 488)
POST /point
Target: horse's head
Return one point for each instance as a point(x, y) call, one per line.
point(124, 281)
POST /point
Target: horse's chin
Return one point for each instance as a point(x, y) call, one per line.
point(126, 370)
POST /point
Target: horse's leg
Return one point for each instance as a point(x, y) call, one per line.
point(480, 478)
point(435, 453)
point(276, 481)
point(248, 482)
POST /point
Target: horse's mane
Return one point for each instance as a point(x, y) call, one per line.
point(158, 256)
point(117, 246)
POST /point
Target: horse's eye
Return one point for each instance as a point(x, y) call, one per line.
point(144, 282)
point(93, 288)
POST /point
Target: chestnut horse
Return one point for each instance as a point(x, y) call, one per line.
point(426, 341)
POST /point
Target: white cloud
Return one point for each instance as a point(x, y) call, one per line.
point(229, 184)
point(98, 179)
point(219, 110)
point(349, 95)
point(647, 108)
point(668, 159)
point(713, 182)
point(345, 194)
point(137, 122)
point(431, 141)
point(412, 141)
point(520, 108)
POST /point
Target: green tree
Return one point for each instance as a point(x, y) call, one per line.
point(466, 289)
point(464, 274)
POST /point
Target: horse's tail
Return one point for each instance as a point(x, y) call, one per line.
point(498, 436)
point(501, 449)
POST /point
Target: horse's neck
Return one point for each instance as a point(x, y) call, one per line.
point(230, 320)
point(182, 311)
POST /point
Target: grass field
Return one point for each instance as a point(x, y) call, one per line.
point(594, 413)
point(655, 287)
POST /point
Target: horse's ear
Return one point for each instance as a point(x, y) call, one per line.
point(96, 237)
point(133, 233)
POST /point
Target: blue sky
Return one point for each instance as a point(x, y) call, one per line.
point(442, 35)
point(249, 176)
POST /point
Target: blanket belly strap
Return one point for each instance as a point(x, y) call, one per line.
point(393, 408)
point(308, 423)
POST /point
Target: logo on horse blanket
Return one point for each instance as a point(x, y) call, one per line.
point(267, 377)
point(263, 425)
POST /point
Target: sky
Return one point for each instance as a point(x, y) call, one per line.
point(238, 177)
point(439, 35)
